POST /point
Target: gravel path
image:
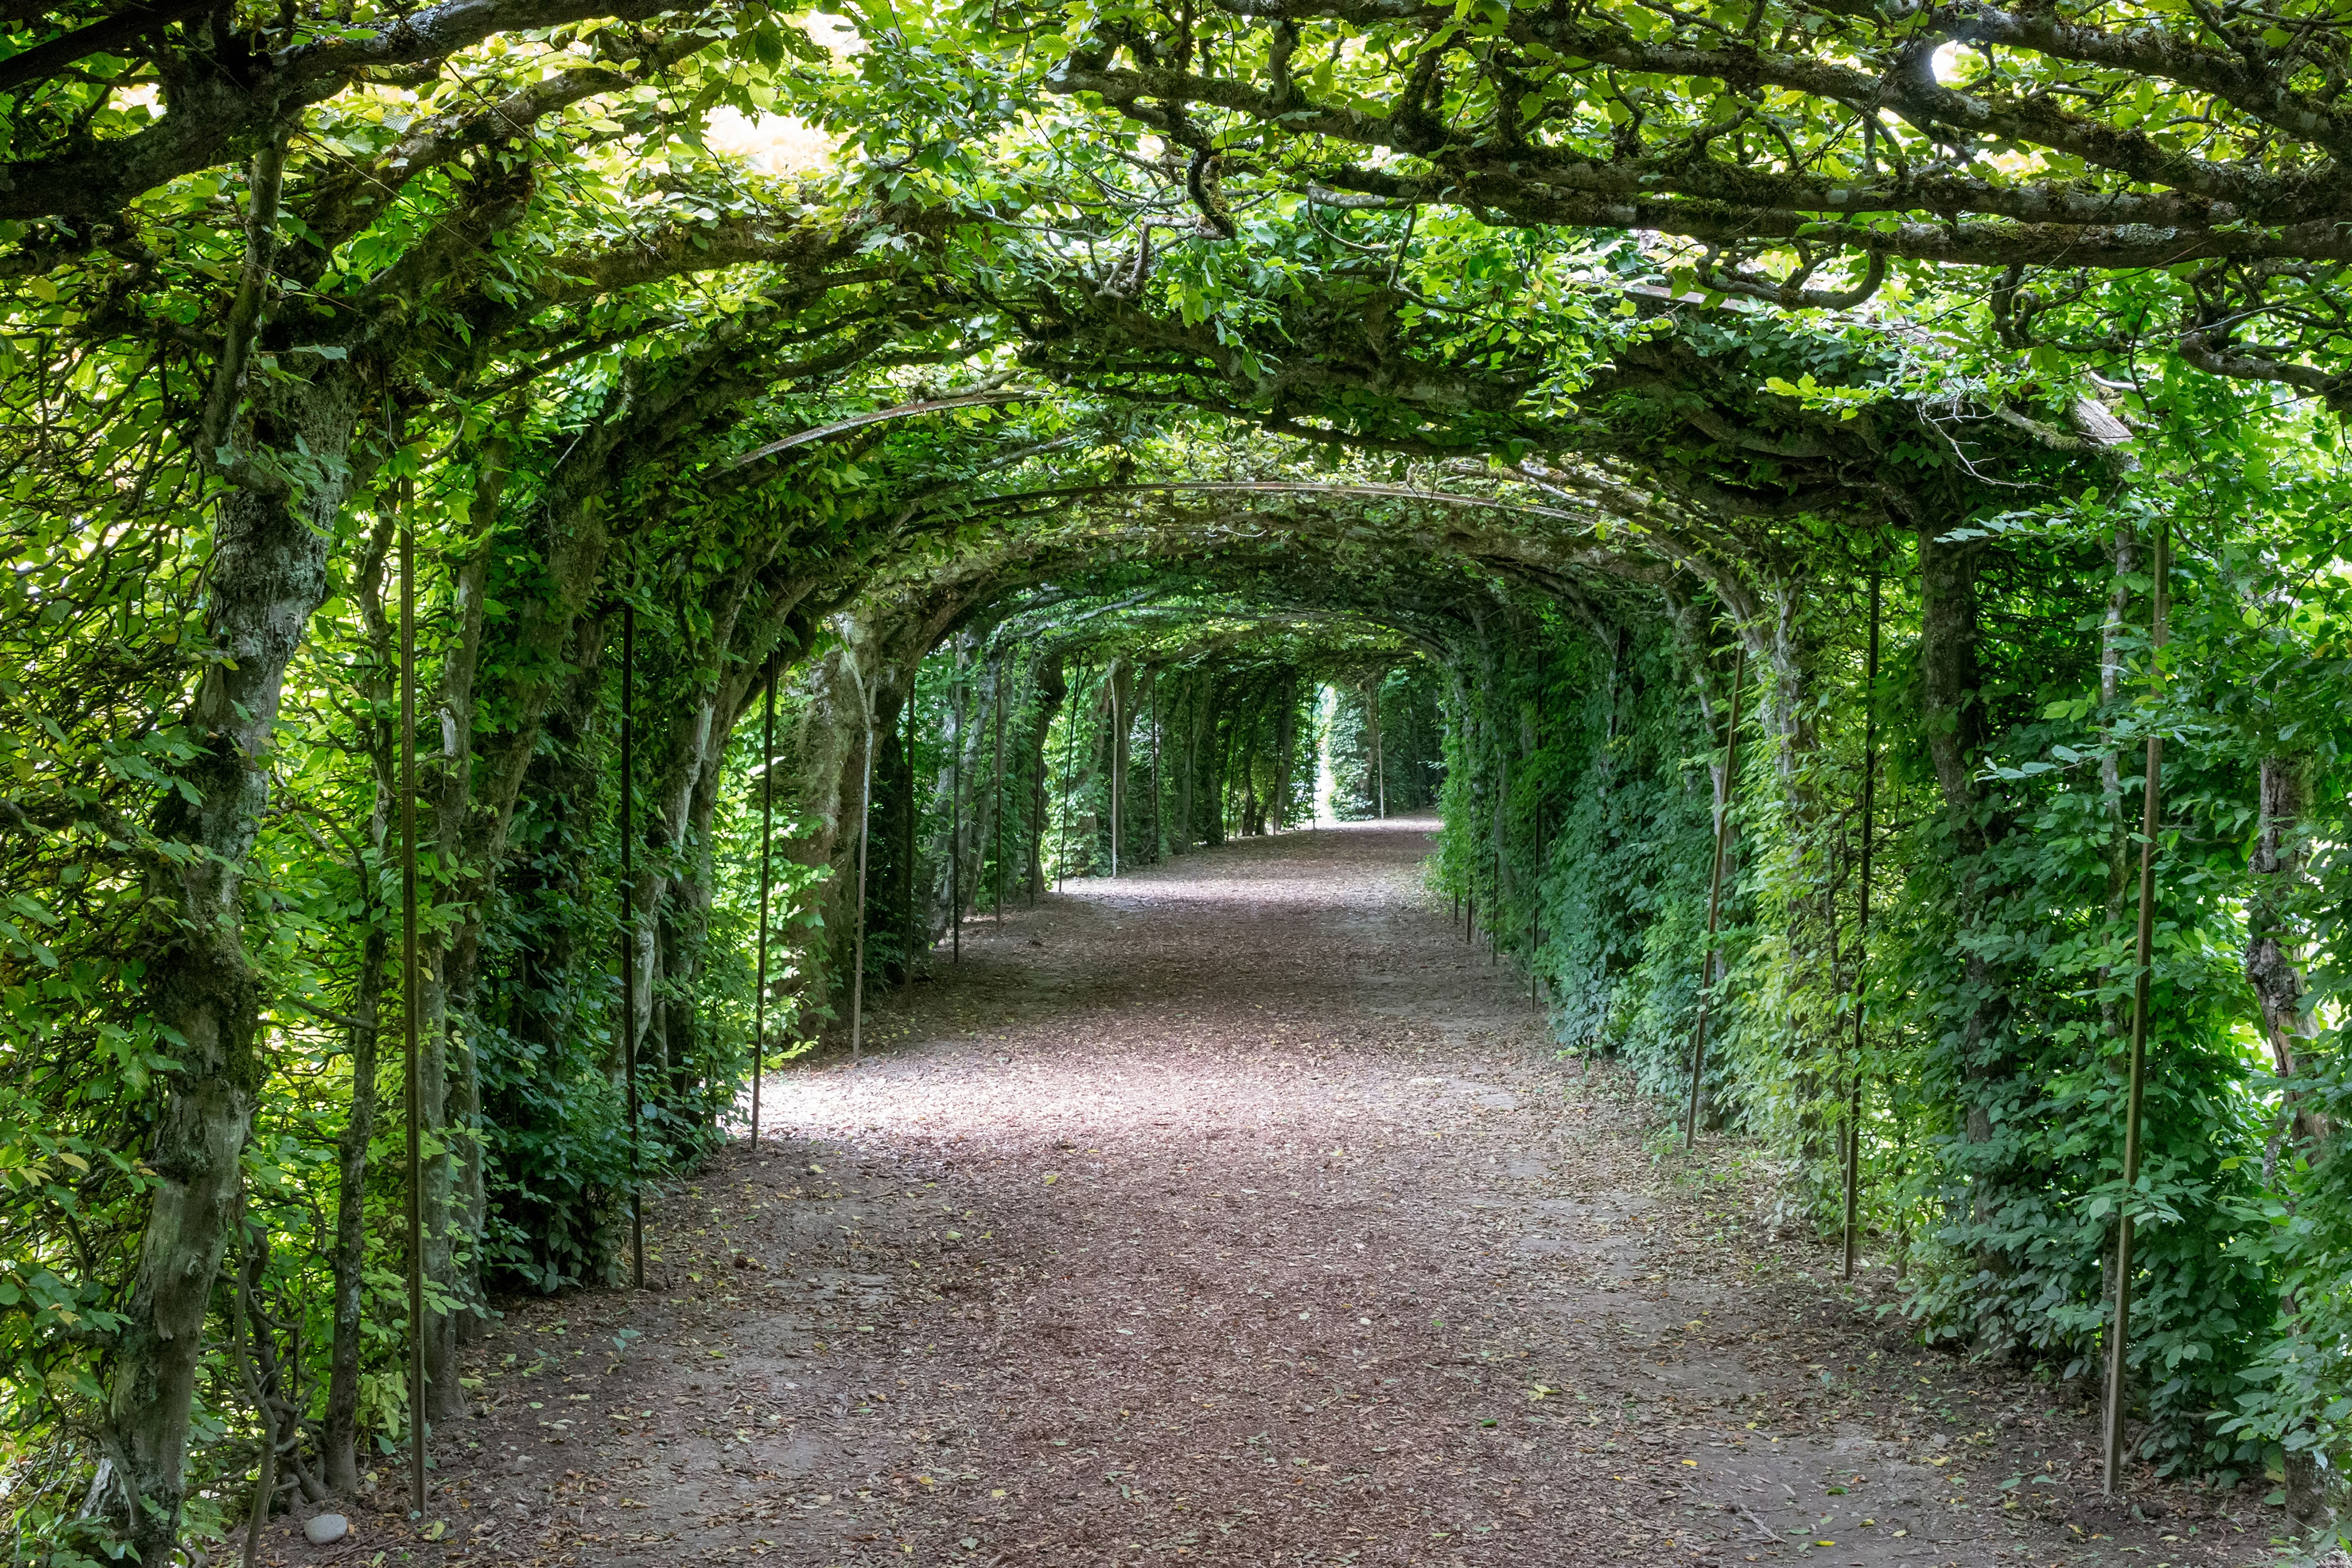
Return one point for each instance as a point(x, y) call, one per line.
point(1236, 1213)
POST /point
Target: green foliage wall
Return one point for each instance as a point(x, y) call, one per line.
point(1578, 811)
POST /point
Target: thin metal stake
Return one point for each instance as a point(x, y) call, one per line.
point(408, 986)
point(907, 868)
point(864, 837)
point(1069, 745)
point(629, 939)
point(1117, 778)
point(955, 817)
point(1035, 872)
point(1714, 894)
point(1862, 938)
point(767, 845)
point(1158, 838)
point(999, 785)
point(2119, 1336)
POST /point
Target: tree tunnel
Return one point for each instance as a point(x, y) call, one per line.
point(1244, 604)
point(560, 555)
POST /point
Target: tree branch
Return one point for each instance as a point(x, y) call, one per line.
point(902, 410)
point(214, 99)
point(43, 61)
point(252, 295)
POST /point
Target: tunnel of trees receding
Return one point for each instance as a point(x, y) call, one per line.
point(561, 550)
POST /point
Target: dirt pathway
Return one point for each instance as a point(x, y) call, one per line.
point(1234, 1213)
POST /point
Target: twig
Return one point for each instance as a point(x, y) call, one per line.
point(902, 410)
point(318, 1012)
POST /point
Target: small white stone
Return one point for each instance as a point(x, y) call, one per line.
point(326, 1529)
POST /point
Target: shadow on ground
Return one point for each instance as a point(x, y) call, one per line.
point(1236, 1213)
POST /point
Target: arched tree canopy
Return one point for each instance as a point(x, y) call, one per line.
point(966, 446)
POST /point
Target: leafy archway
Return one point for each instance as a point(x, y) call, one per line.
point(491, 378)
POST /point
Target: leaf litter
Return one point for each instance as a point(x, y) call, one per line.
point(1237, 1211)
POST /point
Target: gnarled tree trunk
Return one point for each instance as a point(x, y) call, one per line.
point(267, 576)
point(2274, 968)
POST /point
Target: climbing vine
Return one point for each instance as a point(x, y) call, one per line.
point(437, 442)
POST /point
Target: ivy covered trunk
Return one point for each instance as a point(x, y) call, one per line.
point(824, 757)
point(1951, 715)
point(826, 749)
point(1285, 754)
point(2275, 967)
point(889, 955)
point(543, 1001)
point(1052, 689)
point(467, 808)
point(1078, 816)
point(1199, 749)
point(267, 576)
point(339, 1436)
point(949, 785)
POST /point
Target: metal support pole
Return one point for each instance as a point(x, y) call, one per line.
point(629, 939)
point(999, 813)
point(1035, 871)
point(1117, 780)
point(767, 845)
point(955, 817)
point(1070, 745)
point(906, 862)
point(865, 837)
point(413, 1069)
point(1535, 904)
point(1714, 894)
point(1503, 811)
point(2119, 1335)
point(1470, 882)
point(1862, 937)
point(1158, 838)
